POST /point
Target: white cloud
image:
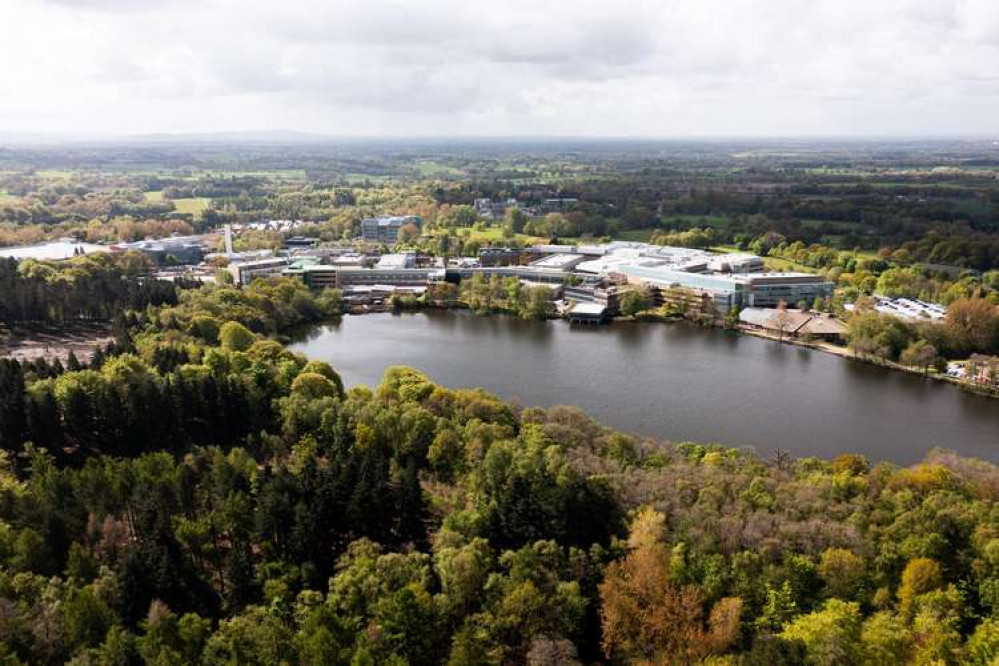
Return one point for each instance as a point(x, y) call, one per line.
point(570, 67)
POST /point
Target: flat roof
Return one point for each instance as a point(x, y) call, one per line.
point(558, 261)
point(51, 251)
point(588, 309)
point(391, 220)
point(257, 263)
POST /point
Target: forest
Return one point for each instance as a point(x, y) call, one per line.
point(86, 288)
point(199, 494)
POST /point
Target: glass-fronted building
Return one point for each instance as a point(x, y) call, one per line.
point(737, 290)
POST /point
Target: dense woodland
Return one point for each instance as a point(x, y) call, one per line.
point(199, 494)
point(95, 287)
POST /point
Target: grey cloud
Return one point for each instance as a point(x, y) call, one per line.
point(749, 66)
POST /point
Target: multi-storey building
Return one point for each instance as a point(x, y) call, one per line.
point(386, 229)
point(246, 272)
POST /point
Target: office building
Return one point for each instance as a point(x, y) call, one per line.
point(386, 229)
point(493, 210)
point(499, 256)
point(737, 289)
point(246, 272)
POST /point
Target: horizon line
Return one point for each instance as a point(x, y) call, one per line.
point(17, 138)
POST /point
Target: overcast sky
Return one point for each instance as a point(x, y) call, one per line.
point(662, 68)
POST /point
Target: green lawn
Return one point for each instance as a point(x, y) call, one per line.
point(358, 177)
point(778, 264)
point(635, 235)
point(279, 174)
point(716, 221)
point(770, 263)
point(645, 235)
point(430, 169)
point(494, 235)
point(835, 224)
point(153, 197)
point(194, 205)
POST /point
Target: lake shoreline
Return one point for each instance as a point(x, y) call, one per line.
point(655, 318)
point(669, 382)
point(845, 353)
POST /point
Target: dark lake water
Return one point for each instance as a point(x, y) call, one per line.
point(672, 381)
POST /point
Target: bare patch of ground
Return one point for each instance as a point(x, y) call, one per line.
point(54, 342)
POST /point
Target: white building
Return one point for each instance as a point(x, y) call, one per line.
point(395, 261)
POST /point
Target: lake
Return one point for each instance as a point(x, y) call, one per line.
point(672, 381)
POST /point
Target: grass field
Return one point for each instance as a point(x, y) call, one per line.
point(288, 174)
point(835, 224)
point(635, 235)
point(353, 178)
point(431, 169)
point(645, 235)
point(778, 264)
point(770, 263)
point(154, 196)
point(494, 235)
point(702, 221)
point(194, 206)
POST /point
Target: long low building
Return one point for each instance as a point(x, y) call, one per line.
point(794, 323)
point(525, 273)
point(739, 289)
point(321, 276)
point(246, 272)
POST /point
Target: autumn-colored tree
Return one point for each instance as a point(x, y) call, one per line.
point(973, 324)
point(647, 529)
point(920, 354)
point(408, 233)
point(647, 618)
point(842, 571)
point(921, 575)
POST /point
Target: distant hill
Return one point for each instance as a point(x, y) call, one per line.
point(166, 138)
point(243, 137)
